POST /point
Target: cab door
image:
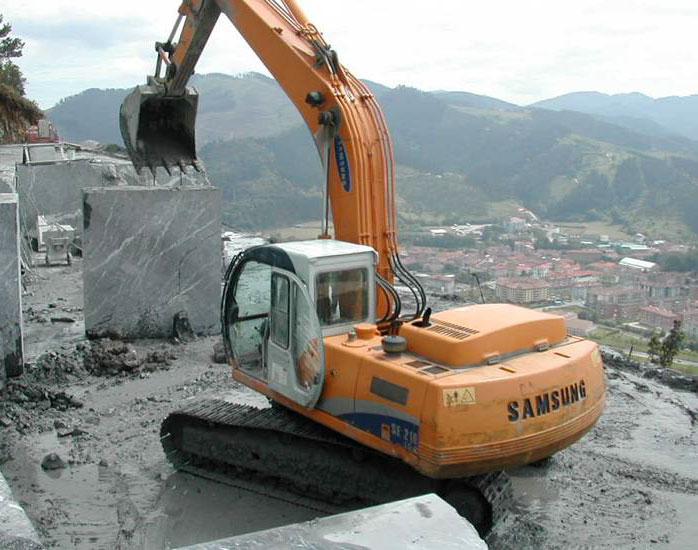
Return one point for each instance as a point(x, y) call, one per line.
point(295, 354)
point(247, 318)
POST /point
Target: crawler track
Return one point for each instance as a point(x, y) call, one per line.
point(277, 447)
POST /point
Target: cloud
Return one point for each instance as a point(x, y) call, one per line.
point(95, 34)
point(516, 51)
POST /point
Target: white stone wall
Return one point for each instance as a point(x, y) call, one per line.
point(150, 253)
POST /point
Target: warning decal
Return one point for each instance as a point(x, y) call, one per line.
point(454, 397)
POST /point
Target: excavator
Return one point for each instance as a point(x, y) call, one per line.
point(369, 403)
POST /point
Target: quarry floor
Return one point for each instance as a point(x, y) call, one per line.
point(632, 482)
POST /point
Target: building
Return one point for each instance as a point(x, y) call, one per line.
point(521, 290)
point(690, 323)
point(515, 225)
point(657, 317)
point(438, 284)
point(665, 286)
point(559, 286)
point(580, 290)
point(577, 326)
point(639, 265)
point(619, 303)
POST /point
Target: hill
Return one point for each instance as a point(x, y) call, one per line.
point(678, 115)
point(460, 156)
point(250, 105)
point(456, 164)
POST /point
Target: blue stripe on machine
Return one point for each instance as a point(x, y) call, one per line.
point(396, 430)
point(338, 406)
point(340, 155)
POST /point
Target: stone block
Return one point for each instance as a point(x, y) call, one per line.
point(9, 155)
point(54, 189)
point(150, 253)
point(11, 344)
point(420, 522)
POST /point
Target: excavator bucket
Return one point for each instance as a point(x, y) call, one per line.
point(158, 130)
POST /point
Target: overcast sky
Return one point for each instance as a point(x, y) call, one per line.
point(518, 51)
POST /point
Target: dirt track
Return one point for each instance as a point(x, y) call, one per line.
point(631, 483)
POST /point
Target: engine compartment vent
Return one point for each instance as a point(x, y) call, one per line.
point(457, 332)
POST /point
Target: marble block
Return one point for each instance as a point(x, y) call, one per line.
point(11, 345)
point(150, 253)
point(55, 189)
point(420, 522)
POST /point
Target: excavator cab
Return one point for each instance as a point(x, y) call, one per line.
point(159, 129)
point(280, 301)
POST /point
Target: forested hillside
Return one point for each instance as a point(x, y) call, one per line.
point(665, 115)
point(252, 105)
point(459, 156)
point(456, 161)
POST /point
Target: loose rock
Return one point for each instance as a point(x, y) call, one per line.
point(53, 462)
point(219, 353)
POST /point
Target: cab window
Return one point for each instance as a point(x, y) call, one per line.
point(342, 296)
point(279, 310)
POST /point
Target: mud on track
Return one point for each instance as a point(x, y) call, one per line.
point(632, 482)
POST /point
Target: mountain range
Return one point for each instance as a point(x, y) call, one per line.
point(626, 159)
point(665, 115)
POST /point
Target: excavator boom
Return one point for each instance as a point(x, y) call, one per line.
point(158, 121)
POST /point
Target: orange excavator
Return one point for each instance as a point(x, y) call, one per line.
point(371, 404)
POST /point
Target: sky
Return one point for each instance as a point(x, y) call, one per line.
point(514, 50)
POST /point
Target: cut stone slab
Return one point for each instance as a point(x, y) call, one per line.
point(149, 254)
point(420, 523)
point(11, 340)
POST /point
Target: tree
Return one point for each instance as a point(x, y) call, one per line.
point(672, 344)
point(10, 48)
point(655, 349)
point(16, 112)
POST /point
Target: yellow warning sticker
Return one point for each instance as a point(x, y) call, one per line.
point(454, 397)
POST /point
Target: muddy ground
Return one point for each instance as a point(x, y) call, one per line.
point(631, 483)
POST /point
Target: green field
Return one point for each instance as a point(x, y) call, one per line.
point(622, 341)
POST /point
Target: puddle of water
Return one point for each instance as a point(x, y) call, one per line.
point(78, 502)
point(531, 489)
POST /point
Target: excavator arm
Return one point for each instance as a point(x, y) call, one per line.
point(346, 122)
